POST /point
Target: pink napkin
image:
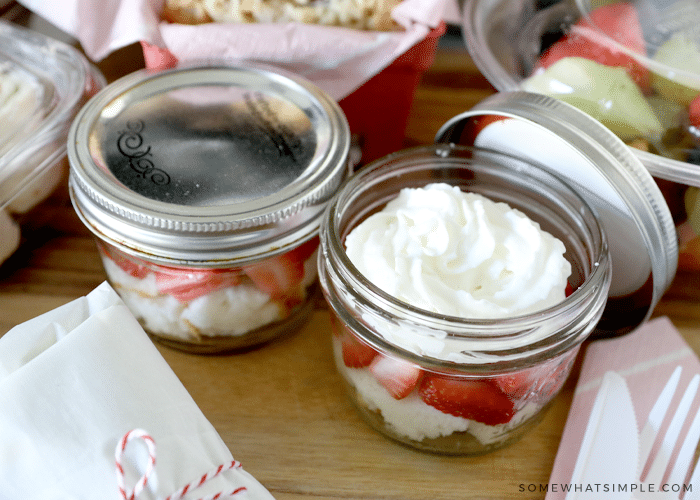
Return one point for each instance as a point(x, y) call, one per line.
point(645, 358)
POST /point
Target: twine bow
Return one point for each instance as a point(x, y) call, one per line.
point(141, 483)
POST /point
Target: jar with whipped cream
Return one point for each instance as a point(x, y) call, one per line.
point(461, 284)
point(463, 277)
point(204, 186)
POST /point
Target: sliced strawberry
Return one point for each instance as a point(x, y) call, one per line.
point(552, 377)
point(689, 256)
point(337, 326)
point(694, 112)
point(569, 289)
point(398, 377)
point(282, 275)
point(189, 284)
point(356, 354)
point(304, 251)
point(130, 265)
point(515, 385)
point(475, 399)
point(276, 276)
point(543, 380)
point(619, 22)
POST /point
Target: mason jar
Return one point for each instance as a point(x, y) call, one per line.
point(475, 385)
point(204, 186)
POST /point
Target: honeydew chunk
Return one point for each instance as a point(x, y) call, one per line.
point(679, 80)
point(606, 93)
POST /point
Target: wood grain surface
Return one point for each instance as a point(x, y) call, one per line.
point(281, 408)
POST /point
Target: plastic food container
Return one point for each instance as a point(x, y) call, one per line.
point(633, 65)
point(43, 83)
point(204, 186)
point(471, 386)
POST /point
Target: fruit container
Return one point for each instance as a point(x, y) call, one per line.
point(43, 83)
point(204, 186)
point(461, 384)
point(632, 65)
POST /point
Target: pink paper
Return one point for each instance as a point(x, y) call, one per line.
point(337, 59)
point(645, 358)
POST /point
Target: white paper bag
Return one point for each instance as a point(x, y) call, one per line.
point(73, 381)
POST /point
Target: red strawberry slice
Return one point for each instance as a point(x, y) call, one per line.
point(516, 385)
point(694, 112)
point(620, 22)
point(689, 257)
point(276, 276)
point(129, 265)
point(569, 289)
point(544, 379)
point(356, 354)
point(281, 276)
point(475, 399)
point(552, 378)
point(189, 284)
point(398, 377)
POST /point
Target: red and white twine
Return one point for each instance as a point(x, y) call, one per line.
point(141, 483)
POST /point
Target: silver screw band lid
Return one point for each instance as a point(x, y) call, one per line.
point(207, 162)
point(602, 169)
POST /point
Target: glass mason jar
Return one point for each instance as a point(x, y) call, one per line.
point(215, 309)
point(466, 386)
point(204, 186)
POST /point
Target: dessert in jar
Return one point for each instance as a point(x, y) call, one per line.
point(461, 284)
point(204, 186)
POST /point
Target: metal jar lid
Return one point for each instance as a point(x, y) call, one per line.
point(632, 211)
point(208, 163)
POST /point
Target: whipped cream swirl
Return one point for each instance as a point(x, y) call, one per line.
point(460, 254)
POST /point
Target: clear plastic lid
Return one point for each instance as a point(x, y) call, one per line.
point(634, 65)
point(570, 144)
point(207, 163)
point(661, 34)
point(43, 83)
